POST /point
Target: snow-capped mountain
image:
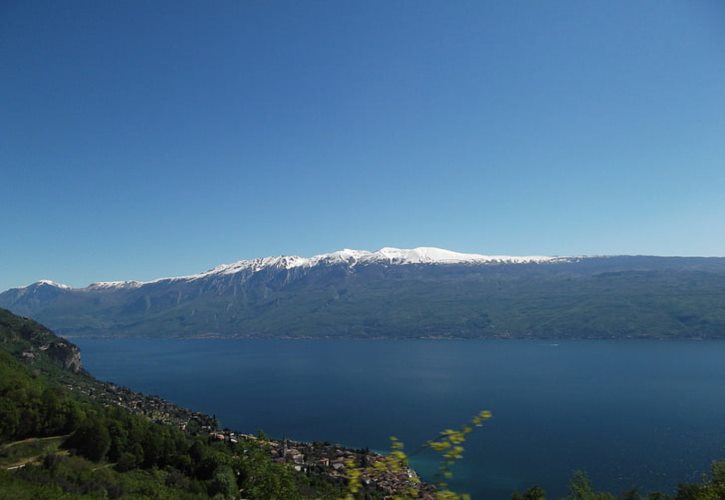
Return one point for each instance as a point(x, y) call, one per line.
point(420, 292)
point(53, 284)
point(346, 257)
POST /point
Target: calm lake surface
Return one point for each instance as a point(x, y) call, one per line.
point(645, 414)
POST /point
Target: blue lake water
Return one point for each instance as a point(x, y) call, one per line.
point(632, 414)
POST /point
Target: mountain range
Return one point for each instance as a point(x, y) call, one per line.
point(399, 293)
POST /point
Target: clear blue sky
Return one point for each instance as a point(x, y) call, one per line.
point(147, 139)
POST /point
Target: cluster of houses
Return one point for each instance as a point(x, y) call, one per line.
point(326, 460)
point(331, 461)
point(153, 407)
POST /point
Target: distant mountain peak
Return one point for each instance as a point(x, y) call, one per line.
point(51, 283)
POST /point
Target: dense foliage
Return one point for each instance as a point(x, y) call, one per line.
point(110, 452)
point(29, 407)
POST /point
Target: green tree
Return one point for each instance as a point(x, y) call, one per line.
point(127, 461)
point(92, 439)
point(533, 493)
point(580, 488)
point(223, 483)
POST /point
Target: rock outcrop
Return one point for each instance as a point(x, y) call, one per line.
point(67, 354)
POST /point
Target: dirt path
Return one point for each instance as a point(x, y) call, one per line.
point(37, 453)
point(31, 440)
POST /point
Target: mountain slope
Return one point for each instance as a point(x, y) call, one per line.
point(31, 341)
point(422, 292)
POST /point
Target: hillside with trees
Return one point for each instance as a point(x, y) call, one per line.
point(584, 298)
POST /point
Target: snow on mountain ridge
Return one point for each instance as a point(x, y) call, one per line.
point(386, 255)
point(52, 283)
point(99, 285)
point(432, 255)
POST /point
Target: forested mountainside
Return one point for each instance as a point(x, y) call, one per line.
point(418, 294)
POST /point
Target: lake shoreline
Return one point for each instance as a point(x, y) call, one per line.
point(656, 402)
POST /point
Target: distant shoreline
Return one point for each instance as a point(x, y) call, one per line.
point(395, 339)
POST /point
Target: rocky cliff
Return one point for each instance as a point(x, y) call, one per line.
point(35, 344)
